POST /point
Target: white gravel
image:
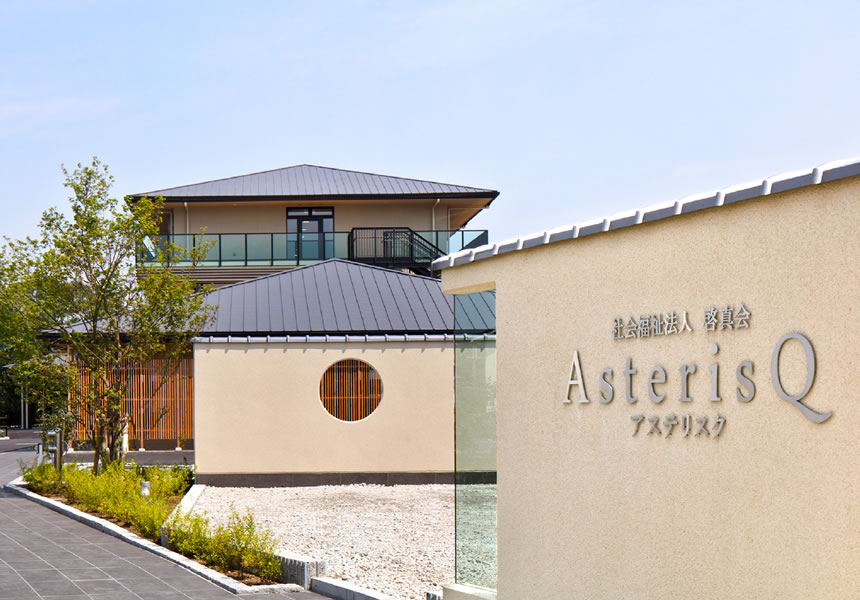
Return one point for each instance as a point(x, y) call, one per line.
point(398, 540)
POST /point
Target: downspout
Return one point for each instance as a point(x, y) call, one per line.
point(185, 204)
point(433, 214)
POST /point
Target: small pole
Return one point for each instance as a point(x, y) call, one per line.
point(125, 435)
point(58, 453)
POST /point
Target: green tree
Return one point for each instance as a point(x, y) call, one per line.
point(75, 307)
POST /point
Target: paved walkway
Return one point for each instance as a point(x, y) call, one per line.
point(19, 440)
point(44, 554)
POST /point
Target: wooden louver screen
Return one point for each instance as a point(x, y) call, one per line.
point(350, 389)
point(159, 400)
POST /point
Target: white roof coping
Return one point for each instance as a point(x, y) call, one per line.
point(829, 171)
point(340, 339)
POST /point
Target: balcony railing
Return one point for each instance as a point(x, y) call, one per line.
point(391, 246)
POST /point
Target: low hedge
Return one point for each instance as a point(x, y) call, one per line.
point(115, 492)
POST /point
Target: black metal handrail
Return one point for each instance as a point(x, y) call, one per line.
point(391, 246)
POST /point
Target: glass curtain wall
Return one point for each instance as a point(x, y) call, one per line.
point(475, 439)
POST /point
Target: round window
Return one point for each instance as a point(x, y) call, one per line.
point(350, 389)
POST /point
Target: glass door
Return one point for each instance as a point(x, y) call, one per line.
point(307, 230)
point(310, 240)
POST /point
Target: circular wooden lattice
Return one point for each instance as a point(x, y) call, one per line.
point(350, 389)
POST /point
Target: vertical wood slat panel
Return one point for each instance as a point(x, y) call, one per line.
point(350, 389)
point(144, 400)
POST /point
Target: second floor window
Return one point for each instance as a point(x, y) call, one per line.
point(310, 233)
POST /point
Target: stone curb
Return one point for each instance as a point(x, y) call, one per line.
point(342, 590)
point(118, 532)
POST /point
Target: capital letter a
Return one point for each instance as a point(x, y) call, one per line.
point(575, 379)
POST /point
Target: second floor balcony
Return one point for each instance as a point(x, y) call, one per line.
point(394, 247)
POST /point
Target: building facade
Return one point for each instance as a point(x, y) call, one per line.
point(337, 372)
point(676, 407)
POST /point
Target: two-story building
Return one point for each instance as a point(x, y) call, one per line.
point(266, 222)
point(331, 354)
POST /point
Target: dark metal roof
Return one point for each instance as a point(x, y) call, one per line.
point(338, 297)
point(309, 181)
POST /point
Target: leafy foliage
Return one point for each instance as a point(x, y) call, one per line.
point(74, 307)
point(189, 535)
point(115, 492)
point(43, 479)
point(240, 545)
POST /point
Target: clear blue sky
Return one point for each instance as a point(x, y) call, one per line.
point(573, 110)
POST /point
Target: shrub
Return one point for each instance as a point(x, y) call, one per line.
point(239, 545)
point(115, 492)
point(189, 535)
point(148, 517)
point(165, 483)
point(42, 479)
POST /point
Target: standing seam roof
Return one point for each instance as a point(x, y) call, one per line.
point(339, 297)
point(311, 180)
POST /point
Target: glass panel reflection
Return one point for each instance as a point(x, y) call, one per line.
point(475, 439)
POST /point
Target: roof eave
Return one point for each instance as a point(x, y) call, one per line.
point(491, 194)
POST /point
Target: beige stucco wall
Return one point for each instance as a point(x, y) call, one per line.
point(258, 410)
point(229, 218)
point(771, 508)
point(271, 217)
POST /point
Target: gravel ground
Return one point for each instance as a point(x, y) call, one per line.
point(476, 535)
point(398, 540)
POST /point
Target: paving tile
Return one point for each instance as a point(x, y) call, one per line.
point(216, 593)
point(85, 574)
point(126, 571)
point(55, 588)
point(42, 575)
point(149, 584)
point(27, 594)
point(101, 586)
point(110, 562)
point(162, 595)
point(115, 596)
point(27, 563)
point(187, 582)
point(70, 563)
